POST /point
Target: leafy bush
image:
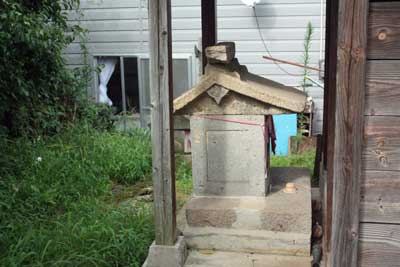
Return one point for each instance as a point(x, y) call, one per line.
point(55, 199)
point(39, 95)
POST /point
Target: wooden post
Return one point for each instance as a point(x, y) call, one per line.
point(162, 121)
point(208, 26)
point(350, 86)
point(329, 122)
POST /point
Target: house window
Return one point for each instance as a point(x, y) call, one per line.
point(124, 84)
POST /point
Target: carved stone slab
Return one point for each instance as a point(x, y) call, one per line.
point(217, 92)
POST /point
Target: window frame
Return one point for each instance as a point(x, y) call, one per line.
point(140, 57)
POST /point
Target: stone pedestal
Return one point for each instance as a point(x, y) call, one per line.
point(167, 256)
point(229, 156)
point(277, 224)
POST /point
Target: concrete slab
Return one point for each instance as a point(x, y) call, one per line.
point(167, 256)
point(229, 259)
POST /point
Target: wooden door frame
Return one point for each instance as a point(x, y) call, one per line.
point(345, 114)
point(346, 52)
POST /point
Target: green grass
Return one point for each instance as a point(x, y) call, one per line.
point(89, 234)
point(55, 207)
point(305, 160)
point(184, 181)
point(56, 201)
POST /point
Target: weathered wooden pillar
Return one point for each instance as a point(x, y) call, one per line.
point(168, 250)
point(326, 178)
point(350, 93)
point(208, 26)
point(161, 121)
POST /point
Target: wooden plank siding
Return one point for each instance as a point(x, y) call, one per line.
point(384, 30)
point(383, 88)
point(380, 198)
point(379, 245)
point(380, 181)
point(382, 143)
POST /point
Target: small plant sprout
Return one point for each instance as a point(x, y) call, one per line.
point(306, 55)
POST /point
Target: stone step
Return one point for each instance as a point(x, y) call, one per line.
point(257, 225)
point(231, 259)
point(279, 223)
point(249, 241)
point(277, 212)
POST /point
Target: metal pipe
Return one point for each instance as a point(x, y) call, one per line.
point(314, 82)
point(321, 39)
point(316, 253)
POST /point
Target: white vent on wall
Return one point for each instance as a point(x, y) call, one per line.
point(250, 3)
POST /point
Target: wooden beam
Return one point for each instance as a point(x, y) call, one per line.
point(208, 26)
point(350, 86)
point(328, 142)
point(162, 121)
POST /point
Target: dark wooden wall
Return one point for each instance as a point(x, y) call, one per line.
point(379, 232)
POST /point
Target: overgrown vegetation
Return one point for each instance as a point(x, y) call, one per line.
point(56, 206)
point(305, 160)
point(60, 158)
point(39, 95)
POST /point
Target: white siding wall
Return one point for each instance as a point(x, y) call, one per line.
point(120, 27)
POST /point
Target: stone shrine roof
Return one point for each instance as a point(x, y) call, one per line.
point(243, 93)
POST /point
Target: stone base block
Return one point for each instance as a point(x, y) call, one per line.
point(277, 224)
point(247, 241)
point(278, 212)
point(234, 259)
point(167, 256)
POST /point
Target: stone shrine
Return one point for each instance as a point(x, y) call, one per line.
point(231, 125)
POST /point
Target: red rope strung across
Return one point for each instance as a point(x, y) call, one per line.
point(230, 120)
